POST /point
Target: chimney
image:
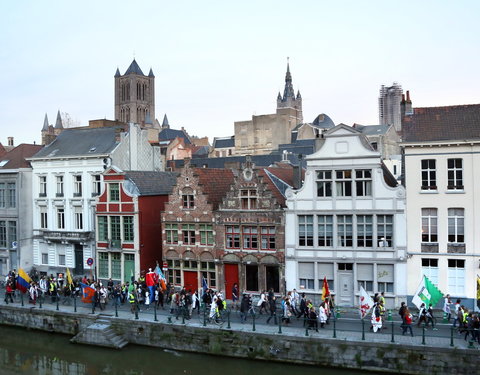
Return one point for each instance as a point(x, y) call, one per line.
point(408, 105)
point(402, 106)
point(10, 141)
point(297, 173)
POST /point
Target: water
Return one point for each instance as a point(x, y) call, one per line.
point(32, 352)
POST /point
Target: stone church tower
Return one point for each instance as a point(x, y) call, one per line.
point(289, 100)
point(135, 95)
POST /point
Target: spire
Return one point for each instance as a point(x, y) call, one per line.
point(58, 123)
point(150, 74)
point(165, 123)
point(45, 124)
point(117, 73)
point(298, 95)
point(134, 69)
point(279, 96)
point(288, 91)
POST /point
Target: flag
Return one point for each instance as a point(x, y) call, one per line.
point(366, 302)
point(204, 285)
point(23, 280)
point(159, 272)
point(325, 290)
point(478, 287)
point(69, 278)
point(87, 293)
point(132, 278)
point(426, 293)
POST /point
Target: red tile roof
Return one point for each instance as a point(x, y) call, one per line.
point(284, 172)
point(16, 157)
point(457, 122)
point(2, 150)
point(215, 183)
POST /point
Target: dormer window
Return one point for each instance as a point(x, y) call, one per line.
point(188, 201)
point(248, 199)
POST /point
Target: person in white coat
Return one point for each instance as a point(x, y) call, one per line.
point(322, 315)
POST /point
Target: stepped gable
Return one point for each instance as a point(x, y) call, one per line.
point(429, 124)
point(215, 183)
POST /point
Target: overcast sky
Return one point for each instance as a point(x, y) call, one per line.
point(217, 62)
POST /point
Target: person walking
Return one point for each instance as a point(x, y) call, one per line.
point(322, 315)
point(272, 306)
point(407, 322)
point(430, 317)
point(422, 315)
point(446, 307)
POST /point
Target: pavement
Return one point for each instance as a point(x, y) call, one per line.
point(346, 325)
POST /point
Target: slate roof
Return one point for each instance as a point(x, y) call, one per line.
point(458, 122)
point(224, 142)
point(82, 141)
point(167, 134)
point(372, 129)
point(152, 183)
point(278, 179)
point(323, 121)
point(134, 69)
point(215, 183)
point(200, 151)
point(16, 157)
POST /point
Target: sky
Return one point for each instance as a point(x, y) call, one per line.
point(217, 62)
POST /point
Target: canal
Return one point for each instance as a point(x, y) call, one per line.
point(33, 352)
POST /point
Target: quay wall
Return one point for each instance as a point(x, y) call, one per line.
point(371, 356)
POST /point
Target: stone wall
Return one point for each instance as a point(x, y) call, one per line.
point(272, 347)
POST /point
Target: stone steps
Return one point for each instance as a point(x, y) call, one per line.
point(100, 333)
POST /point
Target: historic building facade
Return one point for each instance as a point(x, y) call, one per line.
point(347, 223)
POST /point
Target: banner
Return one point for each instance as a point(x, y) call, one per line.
point(87, 293)
point(426, 293)
point(23, 280)
point(325, 289)
point(69, 277)
point(366, 302)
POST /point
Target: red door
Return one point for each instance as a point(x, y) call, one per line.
point(231, 277)
point(190, 280)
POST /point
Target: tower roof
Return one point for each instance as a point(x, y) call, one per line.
point(165, 123)
point(150, 74)
point(134, 69)
point(45, 123)
point(58, 123)
point(117, 73)
point(288, 91)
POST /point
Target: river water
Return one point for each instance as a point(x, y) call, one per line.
point(33, 352)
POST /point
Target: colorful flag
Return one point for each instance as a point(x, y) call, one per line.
point(69, 278)
point(23, 280)
point(87, 293)
point(204, 285)
point(159, 272)
point(478, 287)
point(366, 302)
point(325, 290)
point(426, 293)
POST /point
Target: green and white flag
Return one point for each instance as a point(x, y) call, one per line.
point(426, 293)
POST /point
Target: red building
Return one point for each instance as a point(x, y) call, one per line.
point(128, 231)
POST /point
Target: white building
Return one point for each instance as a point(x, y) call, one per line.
point(67, 176)
point(347, 223)
point(442, 174)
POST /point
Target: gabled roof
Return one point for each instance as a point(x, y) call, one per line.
point(224, 142)
point(278, 180)
point(167, 134)
point(3, 151)
point(82, 141)
point(215, 183)
point(200, 151)
point(152, 183)
point(457, 122)
point(16, 157)
point(134, 69)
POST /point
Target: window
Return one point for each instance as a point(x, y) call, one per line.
point(3, 194)
point(174, 274)
point(102, 228)
point(77, 188)
point(43, 186)
point(306, 273)
point(429, 225)
point(78, 218)
point(44, 258)
point(128, 233)
point(3, 234)
point(232, 237)
point(345, 266)
point(251, 276)
point(96, 184)
point(456, 225)
point(206, 234)
point(61, 259)
point(248, 199)
point(364, 230)
point(188, 201)
point(455, 174)
point(325, 230)
point(343, 183)
point(250, 238)
point(365, 276)
point(456, 277)
point(267, 238)
point(385, 278)
point(344, 230)
point(43, 218)
point(59, 180)
point(103, 265)
point(114, 190)
point(325, 270)
point(208, 273)
point(115, 231)
point(429, 174)
point(430, 269)
point(363, 181)
point(116, 266)
point(305, 230)
point(12, 232)
point(60, 218)
point(171, 231)
point(11, 195)
point(324, 183)
point(188, 234)
point(384, 231)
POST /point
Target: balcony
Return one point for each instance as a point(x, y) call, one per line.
point(429, 247)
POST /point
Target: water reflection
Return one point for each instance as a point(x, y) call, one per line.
point(39, 353)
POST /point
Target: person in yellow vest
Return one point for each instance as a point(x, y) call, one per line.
point(132, 300)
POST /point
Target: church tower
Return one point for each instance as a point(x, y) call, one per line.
point(134, 95)
point(289, 100)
